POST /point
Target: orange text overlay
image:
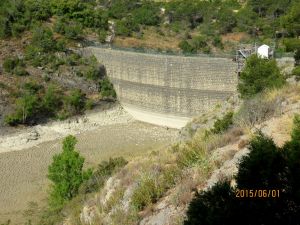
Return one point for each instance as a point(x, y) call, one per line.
point(257, 193)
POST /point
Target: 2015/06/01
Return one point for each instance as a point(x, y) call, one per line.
point(257, 193)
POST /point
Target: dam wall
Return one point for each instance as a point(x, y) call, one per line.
point(165, 89)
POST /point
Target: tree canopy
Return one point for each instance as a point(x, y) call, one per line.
point(259, 74)
point(66, 173)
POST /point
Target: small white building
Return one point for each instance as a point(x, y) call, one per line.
point(264, 51)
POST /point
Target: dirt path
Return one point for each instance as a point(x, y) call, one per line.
point(23, 171)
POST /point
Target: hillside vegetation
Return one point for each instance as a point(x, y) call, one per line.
point(195, 181)
point(209, 165)
point(221, 152)
point(203, 26)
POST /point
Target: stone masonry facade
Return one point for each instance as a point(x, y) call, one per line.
point(166, 84)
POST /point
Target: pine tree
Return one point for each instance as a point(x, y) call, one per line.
point(66, 173)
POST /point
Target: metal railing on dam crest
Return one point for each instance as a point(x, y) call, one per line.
point(167, 89)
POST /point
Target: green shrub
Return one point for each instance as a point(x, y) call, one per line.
point(296, 72)
point(42, 48)
point(227, 20)
point(258, 75)
point(15, 66)
point(89, 104)
point(36, 103)
point(74, 103)
point(186, 47)
point(67, 7)
point(32, 87)
point(70, 29)
point(33, 54)
point(291, 44)
point(38, 9)
point(206, 50)
point(102, 36)
point(86, 13)
point(12, 120)
point(42, 38)
point(125, 27)
point(148, 14)
point(290, 20)
point(73, 59)
point(9, 64)
point(60, 45)
point(170, 176)
point(199, 42)
point(66, 173)
point(192, 156)
point(5, 28)
point(223, 124)
point(102, 173)
point(93, 73)
point(188, 11)
point(148, 191)
point(107, 89)
point(26, 107)
point(217, 42)
point(119, 9)
point(245, 19)
point(151, 188)
point(53, 61)
point(52, 100)
point(20, 71)
point(12, 18)
point(17, 29)
point(59, 26)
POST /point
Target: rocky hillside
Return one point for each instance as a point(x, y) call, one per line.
point(60, 84)
point(157, 189)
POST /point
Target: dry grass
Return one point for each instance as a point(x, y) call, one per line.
point(231, 136)
point(151, 39)
point(192, 180)
point(114, 199)
point(243, 143)
point(235, 37)
point(291, 92)
point(121, 216)
point(257, 110)
point(269, 104)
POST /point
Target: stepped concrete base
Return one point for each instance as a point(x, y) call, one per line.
point(159, 119)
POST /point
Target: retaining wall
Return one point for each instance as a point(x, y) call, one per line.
point(164, 89)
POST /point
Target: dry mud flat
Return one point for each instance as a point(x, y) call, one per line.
point(24, 157)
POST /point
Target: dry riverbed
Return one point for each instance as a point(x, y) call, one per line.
point(25, 156)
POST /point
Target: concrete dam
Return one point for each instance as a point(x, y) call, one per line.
point(167, 90)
